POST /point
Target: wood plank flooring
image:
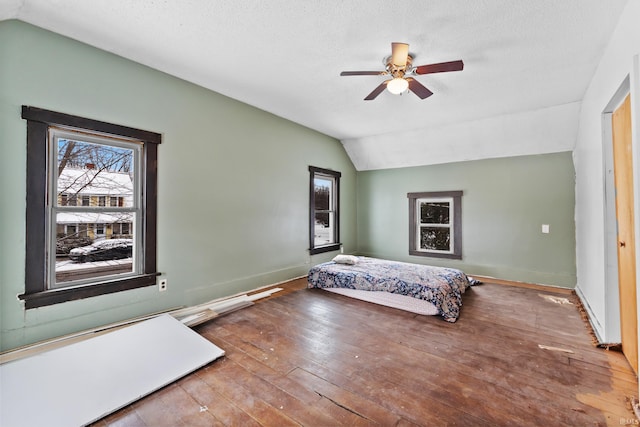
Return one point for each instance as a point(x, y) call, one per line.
point(309, 357)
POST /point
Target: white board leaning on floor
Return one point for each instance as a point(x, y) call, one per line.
point(83, 382)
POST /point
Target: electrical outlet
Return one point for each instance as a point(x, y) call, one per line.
point(162, 285)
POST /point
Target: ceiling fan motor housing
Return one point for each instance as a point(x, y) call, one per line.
point(398, 71)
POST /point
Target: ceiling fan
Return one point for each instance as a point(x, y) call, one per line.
point(398, 67)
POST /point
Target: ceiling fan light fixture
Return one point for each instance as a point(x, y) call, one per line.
point(400, 65)
point(397, 85)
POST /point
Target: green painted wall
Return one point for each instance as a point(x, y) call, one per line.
point(233, 190)
point(504, 205)
point(233, 181)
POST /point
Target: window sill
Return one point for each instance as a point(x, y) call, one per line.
point(55, 296)
point(434, 254)
point(322, 249)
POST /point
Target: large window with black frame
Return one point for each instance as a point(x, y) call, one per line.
point(324, 210)
point(91, 207)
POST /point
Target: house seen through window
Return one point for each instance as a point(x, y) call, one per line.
point(90, 209)
point(91, 168)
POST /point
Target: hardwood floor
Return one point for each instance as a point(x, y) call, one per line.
point(309, 357)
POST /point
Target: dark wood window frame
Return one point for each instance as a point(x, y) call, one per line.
point(456, 228)
point(36, 292)
point(313, 249)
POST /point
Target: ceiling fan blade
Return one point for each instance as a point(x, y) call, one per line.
point(399, 53)
point(417, 88)
point(441, 67)
point(377, 91)
point(362, 73)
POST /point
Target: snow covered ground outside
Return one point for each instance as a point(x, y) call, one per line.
point(68, 265)
point(322, 235)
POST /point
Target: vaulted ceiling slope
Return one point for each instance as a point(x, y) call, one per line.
point(527, 64)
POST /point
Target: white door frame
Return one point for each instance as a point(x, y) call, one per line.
point(630, 85)
point(612, 295)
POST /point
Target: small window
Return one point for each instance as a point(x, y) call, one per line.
point(435, 224)
point(71, 253)
point(324, 212)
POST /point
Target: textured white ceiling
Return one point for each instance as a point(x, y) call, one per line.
point(285, 56)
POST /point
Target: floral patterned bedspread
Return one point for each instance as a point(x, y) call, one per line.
point(443, 287)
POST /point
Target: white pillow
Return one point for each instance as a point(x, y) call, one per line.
point(345, 259)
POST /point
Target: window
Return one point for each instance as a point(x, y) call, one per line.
point(435, 224)
point(324, 212)
point(70, 160)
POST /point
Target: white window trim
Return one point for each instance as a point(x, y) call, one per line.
point(332, 204)
point(449, 225)
point(55, 134)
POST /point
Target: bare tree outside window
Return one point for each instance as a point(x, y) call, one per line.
point(91, 208)
point(93, 169)
point(324, 210)
point(435, 224)
point(323, 232)
point(435, 229)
